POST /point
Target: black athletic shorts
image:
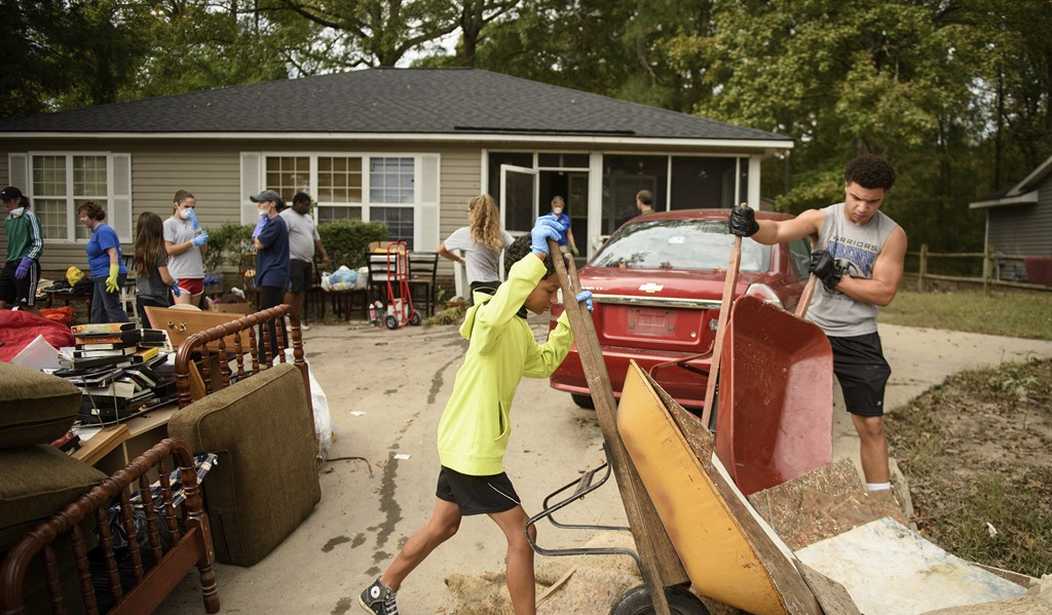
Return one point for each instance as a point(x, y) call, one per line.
point(859, 365)
point(300, 275)
point(19, 292)
point(476, 495)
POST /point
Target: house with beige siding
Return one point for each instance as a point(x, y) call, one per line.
point(405, 147)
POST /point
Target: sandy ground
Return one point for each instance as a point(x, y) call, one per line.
point(400, 381)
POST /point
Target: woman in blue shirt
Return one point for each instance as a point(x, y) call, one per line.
point(271, 240)
point(566, 237)
point(104, 261)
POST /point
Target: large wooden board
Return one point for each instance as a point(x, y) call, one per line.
point(100, 445)
point(181, 324)
point(661, 565)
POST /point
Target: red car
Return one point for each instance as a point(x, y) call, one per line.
point(656, 287)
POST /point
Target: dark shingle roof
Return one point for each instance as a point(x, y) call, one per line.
point(466, 101)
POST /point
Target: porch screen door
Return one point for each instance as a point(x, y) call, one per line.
point(518, 198)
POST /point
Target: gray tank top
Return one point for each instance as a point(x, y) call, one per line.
point(856, 247)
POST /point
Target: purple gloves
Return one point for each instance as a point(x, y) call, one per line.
point(23, 268)
point(263, 218)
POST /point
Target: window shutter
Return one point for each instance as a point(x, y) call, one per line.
point(120, 210)
point(18, 172)
point(251, 184)
point(425, 225)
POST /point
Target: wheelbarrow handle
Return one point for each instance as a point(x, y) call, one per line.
point(729, 282)
point(805, 297)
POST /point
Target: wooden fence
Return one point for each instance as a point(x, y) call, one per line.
point(991, 270)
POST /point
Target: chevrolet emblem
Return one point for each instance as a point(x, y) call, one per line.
point(651, 287)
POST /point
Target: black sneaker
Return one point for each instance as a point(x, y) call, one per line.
point(378, 599)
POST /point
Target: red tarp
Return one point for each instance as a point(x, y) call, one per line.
point(17, 329)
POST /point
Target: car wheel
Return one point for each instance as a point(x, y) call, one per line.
point(583, 401)
point(681, 601)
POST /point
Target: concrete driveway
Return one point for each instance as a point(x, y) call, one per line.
point(386, 391)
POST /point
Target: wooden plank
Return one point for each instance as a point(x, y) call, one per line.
point(100, 445)
point(661, 565)
point(151, 420)
point(729, 282)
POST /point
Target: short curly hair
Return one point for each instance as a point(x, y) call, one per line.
point(870, 171)
point(520, 249)
point(92, 211)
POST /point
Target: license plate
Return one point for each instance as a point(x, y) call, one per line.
point(651, 322)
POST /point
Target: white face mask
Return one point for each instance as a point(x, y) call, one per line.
point(557, 210)
point(184, 213)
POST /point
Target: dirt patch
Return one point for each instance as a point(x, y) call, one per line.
point(977, 450)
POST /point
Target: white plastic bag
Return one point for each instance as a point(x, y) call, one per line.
point(322, 418)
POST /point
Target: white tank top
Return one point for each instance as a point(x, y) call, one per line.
point(856, 247)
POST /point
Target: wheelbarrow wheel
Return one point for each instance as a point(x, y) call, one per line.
point(391, 322)
point(681, 601)
point(583, 401)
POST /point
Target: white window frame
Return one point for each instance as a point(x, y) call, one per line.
point(366, 203)
point(70, 197)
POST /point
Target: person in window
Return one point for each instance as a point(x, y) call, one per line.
point(481, 241)
point(154, 285)
point(18, 280)
point(566, 240)
point(185, 242)
point(104, 262)
point(271, 240)
point(645, 202)
point(304, 243)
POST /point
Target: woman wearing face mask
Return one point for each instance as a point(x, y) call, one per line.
point(104, 260)
point(185, 241)
point(559, 212)
point(271, 239)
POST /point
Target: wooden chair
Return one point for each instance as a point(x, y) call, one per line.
point(155, 573)
point(423, 275)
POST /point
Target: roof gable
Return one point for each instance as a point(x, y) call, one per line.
point(450, 101)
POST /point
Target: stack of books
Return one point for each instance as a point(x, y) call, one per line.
point(119, 369)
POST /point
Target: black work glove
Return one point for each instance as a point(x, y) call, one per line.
point(743, 221)
point(825, 268)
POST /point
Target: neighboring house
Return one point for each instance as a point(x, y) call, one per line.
point(1019, 220)
point(406, 147)
point(1019, 223)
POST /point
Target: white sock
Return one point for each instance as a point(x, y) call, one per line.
point(874, 487)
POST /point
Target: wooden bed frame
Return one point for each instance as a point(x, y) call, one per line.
point(186, 528)
point(208, 354)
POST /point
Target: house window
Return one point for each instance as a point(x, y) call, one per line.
point(391, 180)
point(288, 175)
point(339, 188)
point(63, 182)
point(399, 221)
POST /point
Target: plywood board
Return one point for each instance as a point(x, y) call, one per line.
point(107, 439)
point(891, 570)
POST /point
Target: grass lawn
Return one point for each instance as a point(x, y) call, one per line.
point(977, 451)
point(1016, 314)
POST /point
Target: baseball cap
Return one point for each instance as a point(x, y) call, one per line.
point(266, 195)
point(10, 193)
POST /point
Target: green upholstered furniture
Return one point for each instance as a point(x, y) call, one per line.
point(35, 408)
point(266, 481)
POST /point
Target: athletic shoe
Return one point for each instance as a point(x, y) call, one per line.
point(378, 599)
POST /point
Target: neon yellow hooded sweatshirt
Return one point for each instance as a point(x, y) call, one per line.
point(476, 424)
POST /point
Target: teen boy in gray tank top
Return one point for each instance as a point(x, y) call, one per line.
point(858, 258)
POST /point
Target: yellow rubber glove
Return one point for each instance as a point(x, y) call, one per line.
point(111, 280)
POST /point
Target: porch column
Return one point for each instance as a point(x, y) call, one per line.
point(754, 181)
point(595, 199)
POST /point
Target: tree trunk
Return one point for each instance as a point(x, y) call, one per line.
point(998, 142)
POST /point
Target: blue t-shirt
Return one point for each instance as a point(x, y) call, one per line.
point(564, 219)
point(272, 261)
point(103, 237)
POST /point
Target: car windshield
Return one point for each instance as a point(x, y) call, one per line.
point(679, 244)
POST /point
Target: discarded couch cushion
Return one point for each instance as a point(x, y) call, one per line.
point(266, 481)
point(35, 408)
point(35, 483)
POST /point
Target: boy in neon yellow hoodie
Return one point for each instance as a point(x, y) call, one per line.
point(476, 424)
